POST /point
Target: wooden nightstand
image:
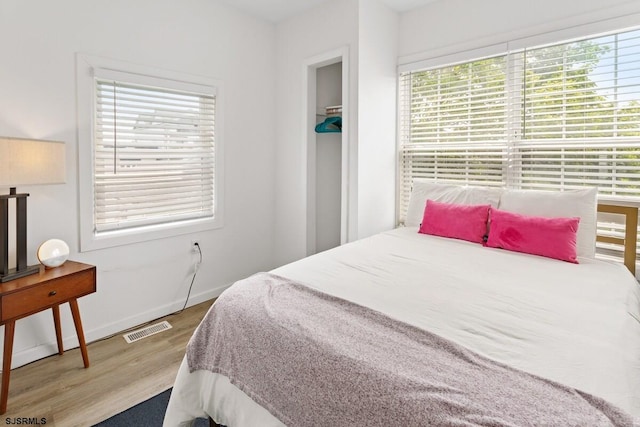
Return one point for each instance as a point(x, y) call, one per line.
point(31, 294)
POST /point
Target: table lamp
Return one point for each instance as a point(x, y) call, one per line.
point(24, 162)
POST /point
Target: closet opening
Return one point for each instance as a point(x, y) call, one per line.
point(327, 152)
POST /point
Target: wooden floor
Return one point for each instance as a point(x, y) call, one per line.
point(60, 390)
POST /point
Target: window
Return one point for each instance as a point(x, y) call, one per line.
point(153, 145)
point(554, 117)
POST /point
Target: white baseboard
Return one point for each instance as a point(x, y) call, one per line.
point(49, 348)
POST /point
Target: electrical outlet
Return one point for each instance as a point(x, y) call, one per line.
point(194, 246)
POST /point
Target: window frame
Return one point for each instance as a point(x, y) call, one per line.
point(87, 67)
point(461, 54)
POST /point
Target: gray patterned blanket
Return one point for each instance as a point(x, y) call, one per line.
point(312, 359)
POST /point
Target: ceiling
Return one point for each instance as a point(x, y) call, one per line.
point(279, 10)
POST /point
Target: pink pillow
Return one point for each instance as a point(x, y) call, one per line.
point(548, 237)
point(466, 222)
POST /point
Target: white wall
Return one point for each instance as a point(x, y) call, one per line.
point(449, 26)
point(377, 83)
point(143, 281)
point(330, 27)
point(369, 29)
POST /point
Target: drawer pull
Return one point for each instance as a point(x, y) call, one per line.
point(52, 293)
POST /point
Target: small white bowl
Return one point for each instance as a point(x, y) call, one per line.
point(53, 253)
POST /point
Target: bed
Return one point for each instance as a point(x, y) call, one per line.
point(576, 326)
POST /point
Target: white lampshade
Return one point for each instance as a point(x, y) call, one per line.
point(31, 162)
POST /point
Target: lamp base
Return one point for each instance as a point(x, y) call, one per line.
point(16, 274)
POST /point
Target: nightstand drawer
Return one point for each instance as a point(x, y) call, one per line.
point(30, 300)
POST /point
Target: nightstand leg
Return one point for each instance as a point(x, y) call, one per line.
point(76, 320)
point(56, 322)
point(9, 329)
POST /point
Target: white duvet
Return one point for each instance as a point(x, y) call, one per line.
point(575, 324)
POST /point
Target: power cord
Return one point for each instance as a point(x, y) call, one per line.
point(195, 273)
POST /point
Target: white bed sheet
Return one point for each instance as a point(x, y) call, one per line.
point(570, 323)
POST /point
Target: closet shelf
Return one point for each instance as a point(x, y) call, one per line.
point(330, 111)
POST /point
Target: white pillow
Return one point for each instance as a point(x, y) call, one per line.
point(446, 193)
point(580, 203)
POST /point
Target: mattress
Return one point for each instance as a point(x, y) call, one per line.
point(575, 324)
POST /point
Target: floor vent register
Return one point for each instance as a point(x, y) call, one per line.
point(147, 331)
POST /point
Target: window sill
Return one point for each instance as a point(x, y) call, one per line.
point(90, 240)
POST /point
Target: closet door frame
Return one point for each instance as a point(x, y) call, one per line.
point(311, 66)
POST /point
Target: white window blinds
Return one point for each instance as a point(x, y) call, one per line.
point(556, 117)
point(154, 151)
point(453, 125)
point(581, 116)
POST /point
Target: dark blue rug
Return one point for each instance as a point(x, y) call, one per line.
point(149, 413)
